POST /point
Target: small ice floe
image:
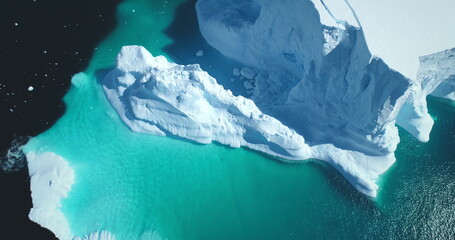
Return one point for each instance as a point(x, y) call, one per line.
point(247, 73)
point(248, 85)
point(199, 53)
point(30, 88)
point(236, 72)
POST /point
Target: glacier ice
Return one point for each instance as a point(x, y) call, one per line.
point(436, 76)
point(318, 91)
point(399, 32)
point(437, 73)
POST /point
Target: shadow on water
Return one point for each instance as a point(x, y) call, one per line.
point(187, 41)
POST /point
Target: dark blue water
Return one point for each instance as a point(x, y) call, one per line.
point(42, 44)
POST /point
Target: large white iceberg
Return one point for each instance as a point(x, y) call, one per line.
point(318, 90)
point(155, 96)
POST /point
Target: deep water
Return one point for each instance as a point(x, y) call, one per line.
point(131, 184)
point(42, 44)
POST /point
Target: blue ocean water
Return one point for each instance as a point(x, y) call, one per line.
point(131, 184)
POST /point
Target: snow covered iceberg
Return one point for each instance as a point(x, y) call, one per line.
point(318, 90)
point(155, 96)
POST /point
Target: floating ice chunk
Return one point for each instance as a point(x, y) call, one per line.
point(199, 53)
point(247, 85)
point(247, 73)
point(236, 72)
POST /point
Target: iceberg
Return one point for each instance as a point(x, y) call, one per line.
point(319, 92)
point(322, 86)
point(154, 96)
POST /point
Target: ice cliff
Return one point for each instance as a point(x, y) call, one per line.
point(318, 91)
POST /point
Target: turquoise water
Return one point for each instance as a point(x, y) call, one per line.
point(129, 183)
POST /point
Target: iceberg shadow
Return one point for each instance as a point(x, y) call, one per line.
point(188, 41)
